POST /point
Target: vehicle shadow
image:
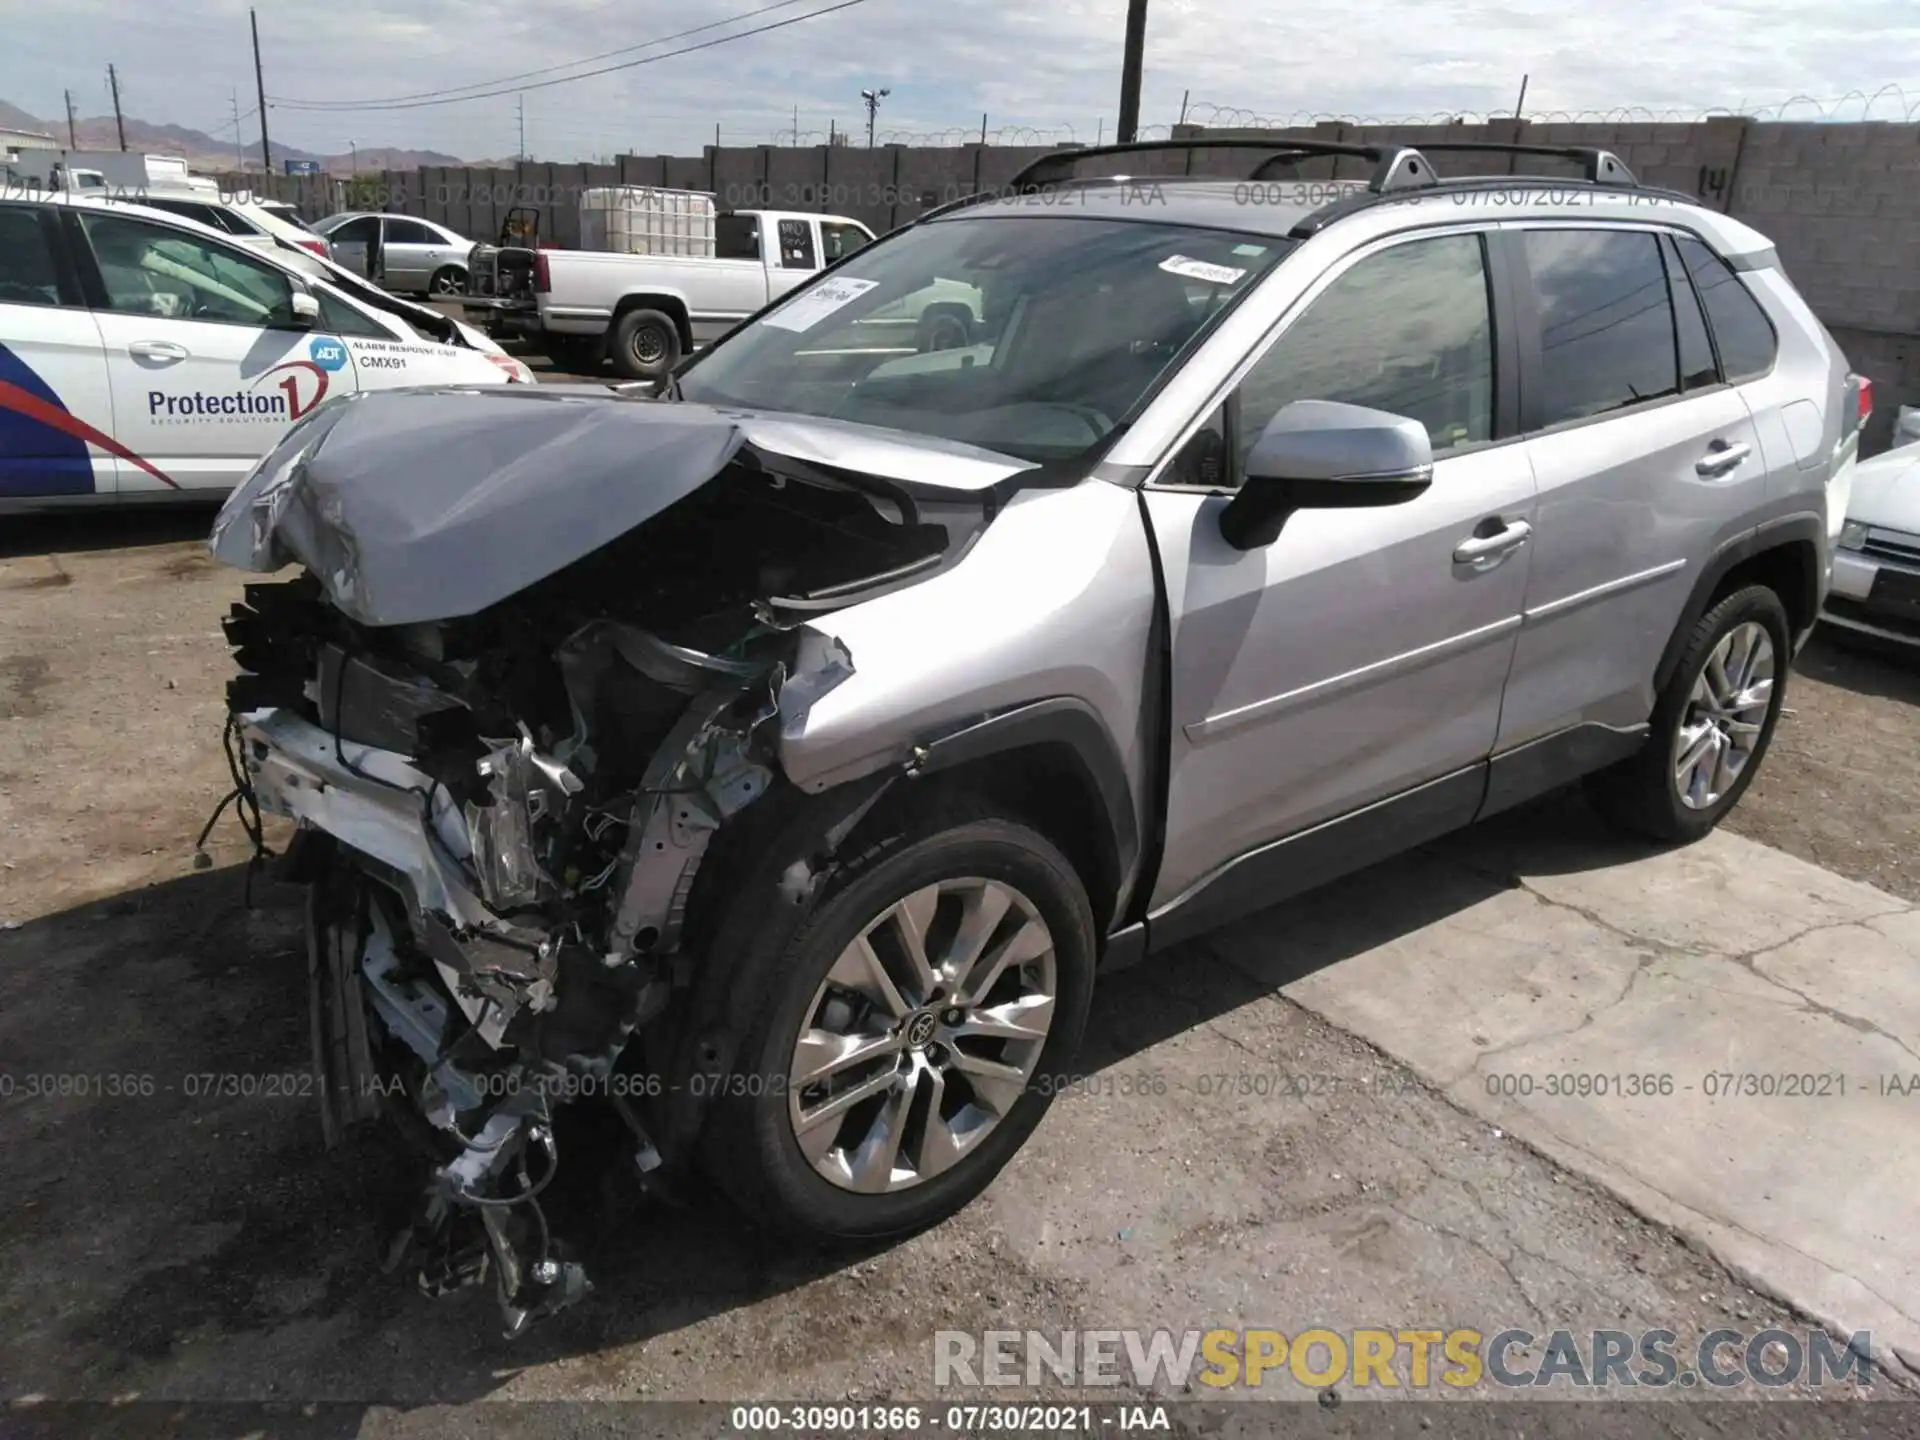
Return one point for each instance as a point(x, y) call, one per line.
point(174, 1193)
point(1862, 664)
point(107, 528)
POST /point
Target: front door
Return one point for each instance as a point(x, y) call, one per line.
point(206, 364)
point(1361, 655)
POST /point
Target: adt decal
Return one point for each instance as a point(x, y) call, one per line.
point(328, 354)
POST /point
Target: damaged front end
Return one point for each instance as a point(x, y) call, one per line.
point(505, 783)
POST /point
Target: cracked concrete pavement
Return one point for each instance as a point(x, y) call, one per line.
point(1285, 1125)
point(1724, 1036)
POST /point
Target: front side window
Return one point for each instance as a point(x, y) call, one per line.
point(1036, 335)
point(149, 269)
point(840, 241)
point(1407, 330)
point(1740, 327)
point(1606, 323)
point(339, 318)
point(29, 272)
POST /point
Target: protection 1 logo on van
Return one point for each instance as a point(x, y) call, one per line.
point(327, 353)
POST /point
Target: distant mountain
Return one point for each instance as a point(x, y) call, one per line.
point(205, 152)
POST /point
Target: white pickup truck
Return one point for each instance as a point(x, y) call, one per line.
point(644, 312)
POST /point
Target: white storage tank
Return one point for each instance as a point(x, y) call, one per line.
point(646, 220)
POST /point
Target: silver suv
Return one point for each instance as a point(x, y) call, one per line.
point(777, 758)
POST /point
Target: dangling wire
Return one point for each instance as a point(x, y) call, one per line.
point(246, 806)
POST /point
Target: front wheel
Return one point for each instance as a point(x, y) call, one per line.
point(448, 280)
point(1711, 726)
point(645, 345)
point(909, 1040)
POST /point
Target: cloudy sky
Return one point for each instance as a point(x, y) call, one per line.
point(1052, 65)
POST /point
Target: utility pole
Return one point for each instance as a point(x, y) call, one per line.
point(1132, 63)
point(119, 125)
point(872, 98)
point(260, 85)
point(73, 135)
point(796, 127)
point(521, 101)
point(239, 150)
point(1520, 105)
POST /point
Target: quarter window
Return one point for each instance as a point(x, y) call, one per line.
point(1606, 324)
point(151, 270)
point(1408, 330)
point(1741, 329)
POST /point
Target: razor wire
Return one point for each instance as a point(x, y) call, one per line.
point(1892, 103)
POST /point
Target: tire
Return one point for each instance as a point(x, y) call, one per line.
point(751, 1145)
point(944, 327)
point(578, 353)
point(644, 345)
point(448, 280)
point(1643, 794)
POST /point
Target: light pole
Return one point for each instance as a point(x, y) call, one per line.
point(1132, 63)
point(873, 99)
point(355, 148)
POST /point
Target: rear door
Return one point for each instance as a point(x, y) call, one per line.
point(410, 252)
point(354, 244)
point(56, 406)
point(206, 363)
point(1646, 462)
point(1361, 655)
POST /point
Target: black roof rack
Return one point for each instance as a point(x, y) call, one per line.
point(1396, 168)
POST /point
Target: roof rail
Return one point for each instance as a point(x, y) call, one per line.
point(1396, 168)
point(1603, 167)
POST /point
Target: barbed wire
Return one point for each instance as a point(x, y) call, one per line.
point(1893, 103)
point(952, 135)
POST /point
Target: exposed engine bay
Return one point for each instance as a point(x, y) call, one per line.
point(502, 814)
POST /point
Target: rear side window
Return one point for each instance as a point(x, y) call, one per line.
point(29, 273)
point(1697, 367)
point(796, 245)
point(1741, 330)
point(1606, 323)
point(410, 232)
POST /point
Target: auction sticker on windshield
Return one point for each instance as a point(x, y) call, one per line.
point(1201, 270)
point(818, 303)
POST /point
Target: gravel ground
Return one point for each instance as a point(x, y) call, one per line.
point(176, 1244)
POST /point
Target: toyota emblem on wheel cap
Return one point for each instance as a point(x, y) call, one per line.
point(920, 1029)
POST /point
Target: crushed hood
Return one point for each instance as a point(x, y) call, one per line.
point(419, 505)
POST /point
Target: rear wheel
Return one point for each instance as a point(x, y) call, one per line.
point(1711, 726)
point(644, 345)
point(899, 1055)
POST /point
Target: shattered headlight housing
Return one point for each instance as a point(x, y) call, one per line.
point(523, 789)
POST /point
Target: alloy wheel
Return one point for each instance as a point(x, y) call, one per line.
point(923, 1036)
point(1725, 716)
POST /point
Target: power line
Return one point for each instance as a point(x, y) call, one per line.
point(453, 94)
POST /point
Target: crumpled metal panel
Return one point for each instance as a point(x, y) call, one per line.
point(429, 504)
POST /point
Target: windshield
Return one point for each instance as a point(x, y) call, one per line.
point(1036, 336)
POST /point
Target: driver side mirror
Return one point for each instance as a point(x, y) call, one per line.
point(1326, 455)
point(306, 311)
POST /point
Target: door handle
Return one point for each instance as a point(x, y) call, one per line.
point(164, 351)
point(1478, 549)
point(1722, 457)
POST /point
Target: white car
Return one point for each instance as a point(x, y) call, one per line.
point(401, 252)
point(253, 223)
point(1876, 569)
point(144, 356)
